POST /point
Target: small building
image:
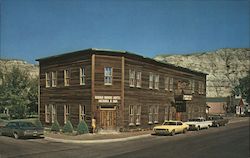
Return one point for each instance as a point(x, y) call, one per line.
point(217, 105)
point(121, 90)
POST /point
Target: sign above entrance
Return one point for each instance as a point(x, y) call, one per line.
point(187, 97)
point(107, 99)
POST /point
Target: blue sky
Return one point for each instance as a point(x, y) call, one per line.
point(32, 29)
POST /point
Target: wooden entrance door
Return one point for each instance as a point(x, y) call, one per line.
point(108, 119)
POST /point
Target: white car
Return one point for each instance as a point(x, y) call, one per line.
point(198, 123)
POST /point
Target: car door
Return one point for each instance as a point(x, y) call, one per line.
point(179, 127)
point(10, 128)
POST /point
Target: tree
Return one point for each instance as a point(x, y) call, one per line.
point(17, 92)
point(243, 88)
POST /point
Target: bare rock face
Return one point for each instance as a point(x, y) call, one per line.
point(224, 67)
point(7, 65)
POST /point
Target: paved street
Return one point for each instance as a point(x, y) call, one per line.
point(231, 141)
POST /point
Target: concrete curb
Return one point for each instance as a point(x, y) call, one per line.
point(96, 141)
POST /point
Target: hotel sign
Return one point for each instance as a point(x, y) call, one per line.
point(107, 99)
point(187, 97)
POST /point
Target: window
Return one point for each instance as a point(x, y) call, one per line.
point(48, 79)
point(156, 81)
point(166, 111)
point(166, 83)
point(53, 109)
point(54, 79)
point(171, 84)
point(131, 115)
point(108, 75)
point(66, 77)
point(131, 78)
point(82, 76)
point(81, 112)
point(47, 114)
point(66, 113)
point(138, 115)
point(138, 79)
point(193, 86)
point(151, 78)
point(150, 115)
point(134, 115)
point(200, 87)
point(153, 114)
point(156, 110)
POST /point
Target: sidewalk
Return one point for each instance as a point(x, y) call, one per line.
point(112, 137)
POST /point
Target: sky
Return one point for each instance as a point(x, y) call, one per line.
point(31, 29)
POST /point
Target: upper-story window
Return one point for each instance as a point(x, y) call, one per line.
point(54, 79)
point(66, 77)
point(166, 83)
point(48, 79)
point(138, 79)
point(157, 81)
point(131, 78)
point(151, 79)
point(171, 84)
point(82, 76)
point(108, 74)
point(201, 88)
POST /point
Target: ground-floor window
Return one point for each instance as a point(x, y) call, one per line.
point(53, 111)
point(66, 113)
point(153, 114)
point(47, 114)
point(81, 112)
point(134, 115)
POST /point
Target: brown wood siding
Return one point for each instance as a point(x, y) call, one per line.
point(71, 95)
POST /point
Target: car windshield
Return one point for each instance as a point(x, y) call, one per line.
point(26, 124)
point(169, 123)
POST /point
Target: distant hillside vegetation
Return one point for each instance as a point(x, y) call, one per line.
point(224, 66)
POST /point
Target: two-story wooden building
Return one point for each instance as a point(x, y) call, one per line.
point(121, 90)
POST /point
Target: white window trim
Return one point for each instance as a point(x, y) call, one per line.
point(151, 80)
point(138, 79)
point(48, 79)
point(82, 114)
point(156, 114)
point(150, 115)
point(171, 84)
point(66, 113)
point(82, 76)
point(193, 86)
point(54, 113)
point(66, 77)
point(131, 78)
point(166, 83)
point(108, 76)
point(54, 78)
point(131, 115)
point(138, 115)
point(47, 113)
point(157, 81)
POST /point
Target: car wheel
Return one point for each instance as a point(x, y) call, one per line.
point(173, 133)
point(16, 136)
point(185, 130)
point(217, 125)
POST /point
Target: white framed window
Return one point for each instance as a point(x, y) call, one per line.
point(66, 113)
point(108, 75)
point(171, 84)
point(166, 83)
point(131, 115)
point(81, 112)
point(132, 78)
point(54, 115)
point(151, 79)
point(150, 115)
point(157, 81)
point(82, 76)
point(138, 79)
point(48, 79)
point(54, 79)
point(66, 77)
point(138, 115)
point(193, 86)
point(156, 111)
point(47, 113)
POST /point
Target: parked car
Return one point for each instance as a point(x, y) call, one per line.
point(198, 123)
point(218, 120)
point(171, 128)
point(19, 129)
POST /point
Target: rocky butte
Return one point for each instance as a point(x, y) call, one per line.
point(224, 67)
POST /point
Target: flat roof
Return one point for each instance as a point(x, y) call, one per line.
point(94, 50)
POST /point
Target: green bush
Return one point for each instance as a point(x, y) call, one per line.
point(55, 127)
point(68, 128)
point(38, 123)
point(82, 128)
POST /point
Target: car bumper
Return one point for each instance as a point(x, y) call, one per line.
point(161, 132)
point(33, 133)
